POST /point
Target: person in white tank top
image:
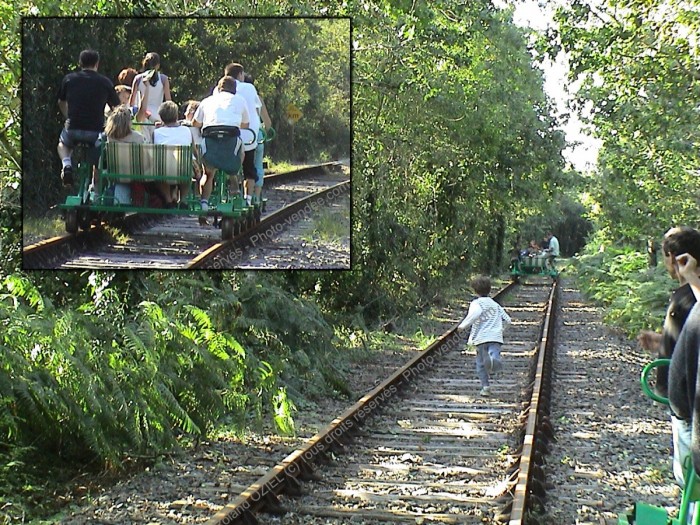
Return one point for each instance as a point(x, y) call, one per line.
point(158, 90)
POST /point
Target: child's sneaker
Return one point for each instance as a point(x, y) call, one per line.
point(485, 392)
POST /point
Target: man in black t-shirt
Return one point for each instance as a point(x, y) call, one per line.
point(82, 98)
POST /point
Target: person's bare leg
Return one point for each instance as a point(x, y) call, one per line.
point(206, 185)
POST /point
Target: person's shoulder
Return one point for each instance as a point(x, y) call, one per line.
point(489, 300)
point(105, 80)
point(205, 101)
point(184, 133)
point(683, 293)
point(245, 87)
point(239, 98)
point(138, 137)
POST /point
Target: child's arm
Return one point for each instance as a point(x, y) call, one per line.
point(472, 315)
point(505, 317)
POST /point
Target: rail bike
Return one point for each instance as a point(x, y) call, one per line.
point(536, 264)
point(645, 514)
point(125, 177)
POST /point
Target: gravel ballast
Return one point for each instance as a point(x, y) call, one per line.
point(612, 447)
point(613, 444)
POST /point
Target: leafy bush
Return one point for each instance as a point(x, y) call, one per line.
point(72, 384)
point(636, 296)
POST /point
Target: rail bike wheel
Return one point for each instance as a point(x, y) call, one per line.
point(227, 228)
point(84, 219)
point(72, 221)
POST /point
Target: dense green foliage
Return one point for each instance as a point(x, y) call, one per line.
point(119, 376)
point(637, 62)
point(103, 374)
point(454, 143)
point(635, 296)
point(301, 61)
point(636, 65)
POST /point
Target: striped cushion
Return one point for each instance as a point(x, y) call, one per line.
point(126, 159)
point(538, 261)
point(170, 161)
point(148, 162)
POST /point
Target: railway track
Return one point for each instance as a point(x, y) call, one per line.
point(387, 461)
point(175, 242)
point(423, 446)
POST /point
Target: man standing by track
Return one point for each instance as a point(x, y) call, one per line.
point(552, 248)
point(677, 242)
point(82, 98)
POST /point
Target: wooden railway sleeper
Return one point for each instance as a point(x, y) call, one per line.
point(512, 473)
point(292, 486)
point(307, 473)
point(270, 504)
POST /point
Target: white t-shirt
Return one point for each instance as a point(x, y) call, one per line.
point(196, 135)
point(554, 246)
point(173, 135)
point(487, 318)
point(250, 94)
point(222, 109)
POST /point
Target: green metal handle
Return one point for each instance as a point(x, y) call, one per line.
point(645, 383)
point(268, 134)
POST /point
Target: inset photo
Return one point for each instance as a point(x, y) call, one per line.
point(174, 143)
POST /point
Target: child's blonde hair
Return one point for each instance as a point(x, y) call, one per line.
point(118, 123)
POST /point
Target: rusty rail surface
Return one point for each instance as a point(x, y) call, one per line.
point(50, 253)
point(529, 490)
point(211, 257)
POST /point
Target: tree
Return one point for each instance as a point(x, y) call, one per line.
point(637, 65)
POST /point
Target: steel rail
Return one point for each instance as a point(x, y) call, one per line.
point(298, 464)
point(209, 257)
point(538, 411)
point(295, 174)
point(48, 253)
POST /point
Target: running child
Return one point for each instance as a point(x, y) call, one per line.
point(486, 318)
